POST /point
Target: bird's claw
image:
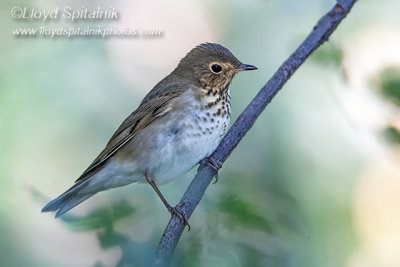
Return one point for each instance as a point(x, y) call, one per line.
point(216, 178)
point(180, 214)
point(215, 165)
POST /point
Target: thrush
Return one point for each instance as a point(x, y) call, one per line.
point(179, 122)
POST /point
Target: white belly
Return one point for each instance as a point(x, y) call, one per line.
point(171, 147)
point(198, 139)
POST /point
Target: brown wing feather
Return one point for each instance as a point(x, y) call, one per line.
point(147, 112)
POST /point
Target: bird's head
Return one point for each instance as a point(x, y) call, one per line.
point(210, 67)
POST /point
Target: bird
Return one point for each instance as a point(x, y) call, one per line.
point(179, 122)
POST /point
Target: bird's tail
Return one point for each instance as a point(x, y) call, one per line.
point(72, 197)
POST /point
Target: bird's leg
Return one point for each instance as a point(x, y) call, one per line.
point(173, 210)
point(215, 165)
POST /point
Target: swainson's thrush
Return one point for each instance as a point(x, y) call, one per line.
point(180, 122)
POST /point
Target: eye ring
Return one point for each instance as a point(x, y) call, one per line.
point(216, 68)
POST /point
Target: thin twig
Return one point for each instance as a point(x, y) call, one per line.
point(205, 173)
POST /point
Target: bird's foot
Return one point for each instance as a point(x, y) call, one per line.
point(215, 165)
point(178, 211)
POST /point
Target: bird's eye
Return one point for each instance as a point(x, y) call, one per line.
point(216, 68)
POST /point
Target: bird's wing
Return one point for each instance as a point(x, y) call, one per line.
point(147, 112)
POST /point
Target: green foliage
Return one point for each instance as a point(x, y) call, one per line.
point(242, 214)
point(389, 84)
point(329, 53)
point(252, 256)
point(392, 135)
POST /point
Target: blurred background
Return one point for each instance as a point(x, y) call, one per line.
point(315, 182)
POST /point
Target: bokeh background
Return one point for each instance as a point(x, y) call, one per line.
point(315, 182)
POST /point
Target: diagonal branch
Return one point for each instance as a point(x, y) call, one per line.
point(205, 173)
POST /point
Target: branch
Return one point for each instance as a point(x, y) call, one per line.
point(205, 173)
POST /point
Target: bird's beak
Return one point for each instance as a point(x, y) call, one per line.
point(244, 67)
